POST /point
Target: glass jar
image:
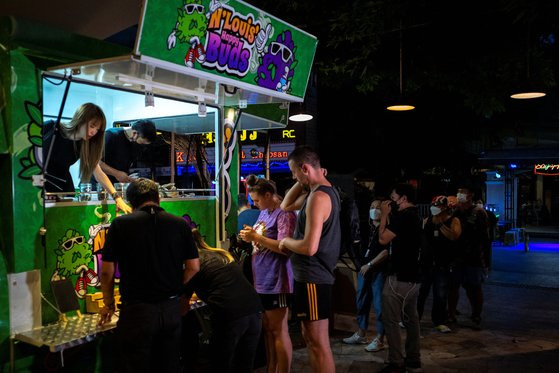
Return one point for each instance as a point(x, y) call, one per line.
point(85, 192)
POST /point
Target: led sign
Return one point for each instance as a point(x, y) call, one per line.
point(546, 169)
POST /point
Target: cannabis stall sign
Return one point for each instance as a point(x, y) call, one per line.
point(230, 42)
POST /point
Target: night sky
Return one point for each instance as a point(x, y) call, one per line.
point(460, 64)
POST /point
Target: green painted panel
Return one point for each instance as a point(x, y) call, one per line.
point(201, 212)
point(20, 199)
point(274, 112)
point(234, 40)
point(6, 205)
point(27, 211)
point(76, 233)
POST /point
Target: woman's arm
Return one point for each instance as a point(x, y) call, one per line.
point(103, 179)
point(249, 235)
point(286, 227)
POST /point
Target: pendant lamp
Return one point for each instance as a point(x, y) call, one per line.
point(298, 112)
point(528, 88)
point(401, 104)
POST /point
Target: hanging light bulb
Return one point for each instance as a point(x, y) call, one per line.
point(528, 89)
point(401, 105)
point(298, 113)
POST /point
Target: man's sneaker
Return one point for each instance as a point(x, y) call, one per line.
point(402, 325)
point(375, 345)
point(355, 339)
point(392, 368)
point(442, 329)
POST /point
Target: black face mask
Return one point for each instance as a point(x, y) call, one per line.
point(394, 206)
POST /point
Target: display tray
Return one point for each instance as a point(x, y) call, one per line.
point(63, 335)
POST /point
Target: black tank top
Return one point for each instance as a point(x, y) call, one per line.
point(319, 268)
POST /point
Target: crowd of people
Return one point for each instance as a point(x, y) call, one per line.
point(449, 249)
point(294, 244)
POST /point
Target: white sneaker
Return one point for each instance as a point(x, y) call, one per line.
point(355, 339)
point(375, 345)
point(401, 324)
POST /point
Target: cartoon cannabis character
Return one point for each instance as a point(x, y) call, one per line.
point(73, 256)
point(190, 28)
point(277, 66)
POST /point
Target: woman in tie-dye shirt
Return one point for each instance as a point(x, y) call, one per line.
point(273, 277)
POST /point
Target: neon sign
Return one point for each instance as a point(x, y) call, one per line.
point(260, 155)
point(546, 169)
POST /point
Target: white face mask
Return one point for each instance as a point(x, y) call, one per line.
point(435, 210)
point(480, 205)
point(462, 197)
point(374, 214)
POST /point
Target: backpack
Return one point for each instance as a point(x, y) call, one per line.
point(350, 229)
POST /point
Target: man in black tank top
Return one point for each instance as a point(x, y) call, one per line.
point(314, 252)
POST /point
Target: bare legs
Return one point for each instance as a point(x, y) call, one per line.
point(315, 334)
point(278, 343)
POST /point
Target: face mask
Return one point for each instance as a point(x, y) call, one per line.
point(435, 210)
point(374, 214)
point(480, 205)
point(462, 197)
point(394, 206)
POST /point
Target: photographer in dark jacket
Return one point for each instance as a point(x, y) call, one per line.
point(470, 267)
point(438, 252)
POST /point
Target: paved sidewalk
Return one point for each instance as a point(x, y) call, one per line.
point(520, 326)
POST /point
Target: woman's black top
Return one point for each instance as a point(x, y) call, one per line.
point(64, 154)
point(225, 289)
point(373, 249)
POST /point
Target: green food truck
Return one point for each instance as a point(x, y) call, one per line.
point(202, 72)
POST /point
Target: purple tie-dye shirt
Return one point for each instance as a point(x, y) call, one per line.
point(272, 272)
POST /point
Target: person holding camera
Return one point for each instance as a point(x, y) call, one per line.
point(399, 296)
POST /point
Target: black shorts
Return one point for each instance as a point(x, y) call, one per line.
point(273, 301)
point(311, 301)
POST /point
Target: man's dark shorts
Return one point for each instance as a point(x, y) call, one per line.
point(311, 302)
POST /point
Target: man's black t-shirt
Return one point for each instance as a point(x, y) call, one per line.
point(405, 247)
point(225, 289)
point(64, 154)
point(150, 246)
point(119, 151)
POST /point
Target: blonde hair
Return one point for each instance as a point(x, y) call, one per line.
point(207, 252)
point(91, 150)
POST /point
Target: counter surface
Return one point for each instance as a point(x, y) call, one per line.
point(60, 336)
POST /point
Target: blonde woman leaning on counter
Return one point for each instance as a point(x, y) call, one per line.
point(82, 138)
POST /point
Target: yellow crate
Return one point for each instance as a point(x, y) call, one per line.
point(94, 302)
